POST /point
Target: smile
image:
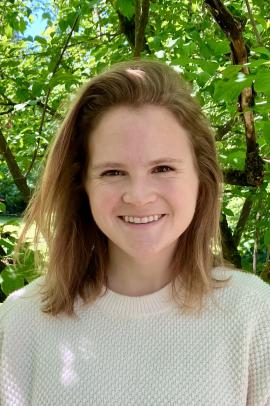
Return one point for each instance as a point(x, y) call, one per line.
point(142, 220)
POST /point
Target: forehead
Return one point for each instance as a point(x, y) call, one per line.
point(138, 131)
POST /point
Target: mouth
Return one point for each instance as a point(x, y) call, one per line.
point(142, 221)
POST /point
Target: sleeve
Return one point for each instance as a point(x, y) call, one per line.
point(259, 358)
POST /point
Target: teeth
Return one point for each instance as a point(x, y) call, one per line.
point(138, 220)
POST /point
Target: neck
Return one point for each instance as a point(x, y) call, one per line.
point(132, 276)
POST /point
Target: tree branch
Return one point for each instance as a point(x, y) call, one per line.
point(58, 47)
point(233, 27)
point(58, 62)
point(127, 26)
point(10, 102)
point(243, 178)
point(7, 104)
point(245, 212)
point(259, 41)
point(141, 18)
point(225, 128)
point(50, 110)
point(19, 179)
point(229, 249)
point(7, 111)
point(39, 103)
point(235, 177)
point(137, 23)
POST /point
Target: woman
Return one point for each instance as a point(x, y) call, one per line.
point(130, 309)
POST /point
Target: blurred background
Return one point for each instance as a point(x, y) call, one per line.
point(49, 48)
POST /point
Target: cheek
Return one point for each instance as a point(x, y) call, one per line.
point(102, 199)
point(182, 191)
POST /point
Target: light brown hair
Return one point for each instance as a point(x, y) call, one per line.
point(77, 249)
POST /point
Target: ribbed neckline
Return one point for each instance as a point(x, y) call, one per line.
point(118, 305)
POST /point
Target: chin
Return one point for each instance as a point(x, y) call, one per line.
point(147, 254)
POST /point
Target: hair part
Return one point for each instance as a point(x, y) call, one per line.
point(77, 250)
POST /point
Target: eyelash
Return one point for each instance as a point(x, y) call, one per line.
point(165, 166)
point(113, 171)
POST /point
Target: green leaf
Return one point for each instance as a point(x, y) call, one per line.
point(262, 50)
point(8, 245)
point(38, 87)
point(207, 66)
point(188, 49)
point(262, 81)
point(21, 26)
point(29, 38)
point(2, 207)
point(228, 212)
point(40, 39)
point(267, 238)
point(22, 94)
point(8, 31)
point(126, 7)
point(205, 51)
point(26, 267)
point(236, 158)
point(229, 90)
point(202, 78)
point(218, 47)
point(231, 71)
point(46, 16)
point(63, 24)
point(257, 63)
point(266, 131)
point(63, 77)
point(154, 42)
point(11, 280)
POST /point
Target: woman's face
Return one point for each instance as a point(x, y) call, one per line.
point(141, 180)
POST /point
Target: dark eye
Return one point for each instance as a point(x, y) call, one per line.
point(163, 168)
point(112, 172)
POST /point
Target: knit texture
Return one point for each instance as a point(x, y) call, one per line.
point(139, 351)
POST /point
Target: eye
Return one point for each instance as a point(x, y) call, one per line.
point(163, 168)
point(112, 172)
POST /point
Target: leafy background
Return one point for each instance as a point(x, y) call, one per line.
point(40, 72)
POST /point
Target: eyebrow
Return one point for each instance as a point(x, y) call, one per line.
point(120, 165)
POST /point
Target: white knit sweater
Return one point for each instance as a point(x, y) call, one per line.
point(139, 351)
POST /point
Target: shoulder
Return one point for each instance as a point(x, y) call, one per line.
point(243, 288)
point(247, 299)
point(242, 280)
point(22, 303)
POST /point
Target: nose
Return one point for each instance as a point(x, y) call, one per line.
point(139, 193)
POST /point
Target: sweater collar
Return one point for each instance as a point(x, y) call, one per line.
point(134, 307)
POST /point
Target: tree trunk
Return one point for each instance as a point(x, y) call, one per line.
point(15, 171)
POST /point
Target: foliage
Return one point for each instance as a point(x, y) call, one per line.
point(40, 73)
point(14, 277)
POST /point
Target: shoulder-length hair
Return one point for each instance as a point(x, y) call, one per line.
point(77, 249)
